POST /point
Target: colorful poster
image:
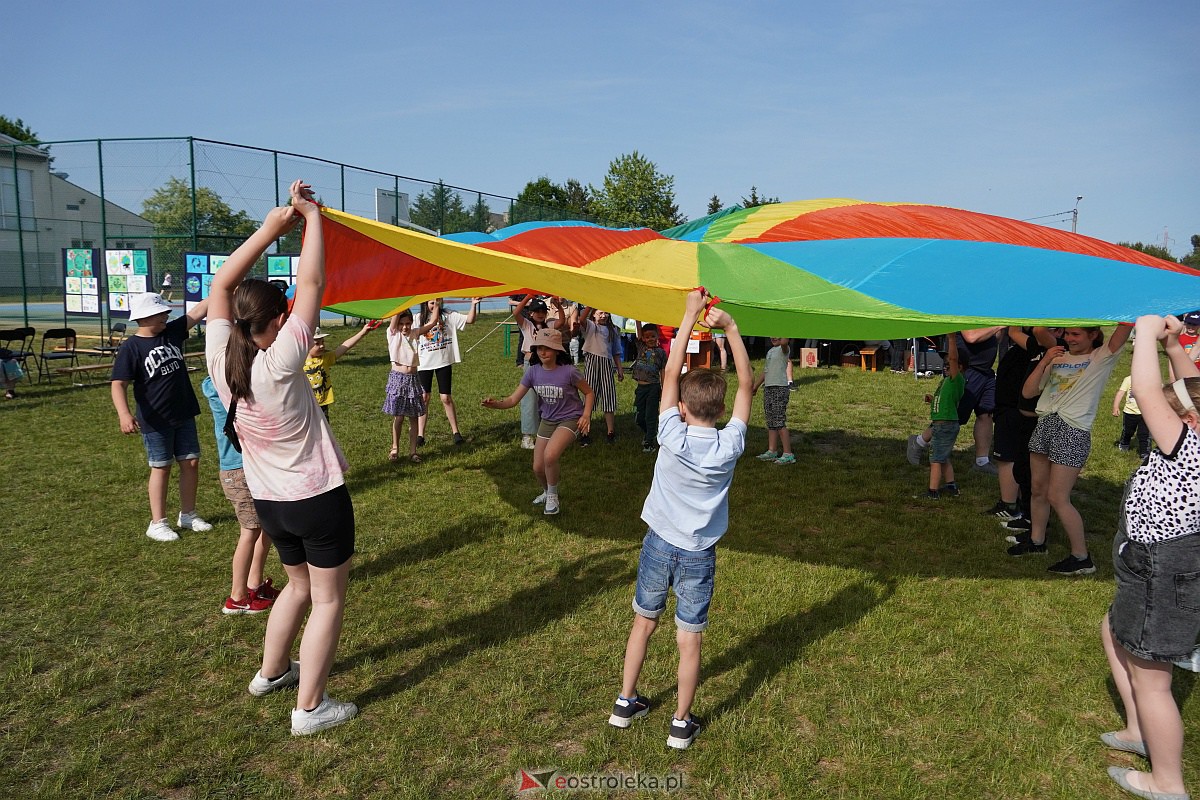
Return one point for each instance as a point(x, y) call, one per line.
point(128, 274)
point(81, 290)
point(196, 262)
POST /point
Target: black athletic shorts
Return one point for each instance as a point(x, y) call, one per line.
point(1011, 440)
point(445, 383)
point(317, 530)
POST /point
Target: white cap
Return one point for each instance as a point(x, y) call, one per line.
point(318, 333)
point(147, 305)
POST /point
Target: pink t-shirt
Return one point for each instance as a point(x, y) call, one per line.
point(288, 449)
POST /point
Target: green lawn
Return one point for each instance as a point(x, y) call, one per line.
point(863, 644)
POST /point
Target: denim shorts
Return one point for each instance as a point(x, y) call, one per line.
point(172, 444)
point(945, 433)
point(662, 566)
point(1156, 613)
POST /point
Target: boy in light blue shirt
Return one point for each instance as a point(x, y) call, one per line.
point(687, 511)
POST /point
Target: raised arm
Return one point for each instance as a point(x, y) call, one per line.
point(310, 275)
point(671, 372)
point(345, 346)
point(1182, 365)
point(474, 310)
point(562, 315)
point(1146, 372)
point(197, 313)
point(741, 362)
point(975, 335)
point(235, 269)
point(1119, 337)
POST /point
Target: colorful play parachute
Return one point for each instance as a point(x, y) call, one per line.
point(841, 269)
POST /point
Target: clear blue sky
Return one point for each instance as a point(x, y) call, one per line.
point(1010, 108)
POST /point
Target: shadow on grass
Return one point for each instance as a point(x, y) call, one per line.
point(445, 541)
point(522, 614)
point(777, 645)
point(849, 502)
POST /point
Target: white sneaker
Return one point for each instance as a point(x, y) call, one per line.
point(328, 714)
point(552, 505)
point(192, 522)
point(261, 686)
point(527, 442)
point(540, 499)
point(161, 531)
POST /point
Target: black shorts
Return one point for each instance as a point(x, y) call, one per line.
point(318, 530)
point(1011, 440)
point(979, 395)
point(445, 384)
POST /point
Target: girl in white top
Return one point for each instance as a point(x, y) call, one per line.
point(1155, 617)
point(403, 396)
point(294, 468)
point(601, 358)
point(1070, 381)
point(438, 348)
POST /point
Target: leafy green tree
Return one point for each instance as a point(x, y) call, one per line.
point(757, 200)
point(542, 199)
point(714, 204)
point(635, 194)
point(1158, 251)
point(441, 209)
point(1192, 259)
point(17, 129)
point(219, 229)
point(481, 216)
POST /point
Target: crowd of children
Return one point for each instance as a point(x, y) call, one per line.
point(269, 373)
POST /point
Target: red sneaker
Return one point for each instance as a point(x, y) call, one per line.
point(265, 590)
point(251, 605)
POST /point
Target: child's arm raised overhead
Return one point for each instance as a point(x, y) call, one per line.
point(1182, 364)
point(1119, 337)
point(310, 274)
point(741, 362)
point(561, 322)
point(197, 313)
point(277, 223)
point(670, 374)
point(1160, 418)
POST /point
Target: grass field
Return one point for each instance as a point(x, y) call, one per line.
point(864, 644)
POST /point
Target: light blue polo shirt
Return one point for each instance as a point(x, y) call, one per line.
point(688, 504)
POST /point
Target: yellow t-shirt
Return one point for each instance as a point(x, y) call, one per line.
point(317, 370)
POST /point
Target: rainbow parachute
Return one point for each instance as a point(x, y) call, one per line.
point(841, 269)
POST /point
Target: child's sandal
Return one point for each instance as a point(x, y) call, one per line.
point(414, 458)
point(394, 455)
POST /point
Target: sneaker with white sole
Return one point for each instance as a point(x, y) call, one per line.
point(552, 505)
point(328, 714)
point(260, 686)
point(540, 500)
point(767, 455)
point(251, 605)
point(683, 732)
point(786, 458)
point(626, 710)
point(192, 522)
point(527, 442)
point(161, 531)
point(1073, 566)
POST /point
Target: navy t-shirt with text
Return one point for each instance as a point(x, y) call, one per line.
point(154, 365)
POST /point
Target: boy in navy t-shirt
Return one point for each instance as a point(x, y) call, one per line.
point(152, 360)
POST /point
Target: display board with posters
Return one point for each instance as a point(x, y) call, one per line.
point(81, 282)
point(127, 274)
point(199, 269)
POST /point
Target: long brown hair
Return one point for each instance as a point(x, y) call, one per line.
point(255, 304)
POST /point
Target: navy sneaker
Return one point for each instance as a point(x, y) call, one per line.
point(683, 732)
point(625, 711)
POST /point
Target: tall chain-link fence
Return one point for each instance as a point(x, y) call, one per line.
point(175, 195)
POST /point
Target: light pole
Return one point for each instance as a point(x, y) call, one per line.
point(1075, 214)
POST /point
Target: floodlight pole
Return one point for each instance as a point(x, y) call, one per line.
point(1075, 214)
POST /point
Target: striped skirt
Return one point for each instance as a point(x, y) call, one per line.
point(598, 372)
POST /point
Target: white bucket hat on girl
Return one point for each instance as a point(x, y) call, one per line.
point(548, 337)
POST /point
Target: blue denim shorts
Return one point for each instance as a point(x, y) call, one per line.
point(945, 432)
point(662, 566)
point(1156, 613)
point(172, 444)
